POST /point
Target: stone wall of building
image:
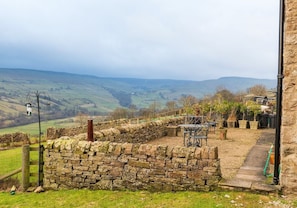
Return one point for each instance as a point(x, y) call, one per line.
point(288, 174)
point(70, 164)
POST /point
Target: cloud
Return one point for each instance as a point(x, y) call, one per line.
point(147, 39)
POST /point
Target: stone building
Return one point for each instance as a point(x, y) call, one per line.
point(288, 130)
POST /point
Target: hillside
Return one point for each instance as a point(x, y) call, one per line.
point(64, 94)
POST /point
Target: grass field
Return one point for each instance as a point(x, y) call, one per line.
point(141, 199)
point(33, 129)
point(11, 160)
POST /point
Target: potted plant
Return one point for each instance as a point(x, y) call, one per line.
point(255, 109)
point(222, 108)
point(243, 110)
point(206, 108)
point(232, 118)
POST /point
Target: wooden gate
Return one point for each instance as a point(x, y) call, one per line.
point(27, 172)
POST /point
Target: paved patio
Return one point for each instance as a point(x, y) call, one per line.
point(243, 156)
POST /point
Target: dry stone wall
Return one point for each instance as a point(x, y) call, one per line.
point(17, 138)
point(131, 133)
point(288, 174)
point(70, 163)
point(54, 133)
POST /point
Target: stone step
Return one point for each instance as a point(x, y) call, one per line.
point(251, 168)
point(250, 171)
point(250, 177)
point(243, 185)
point(237, 183)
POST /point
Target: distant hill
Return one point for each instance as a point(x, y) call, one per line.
point(65, 94)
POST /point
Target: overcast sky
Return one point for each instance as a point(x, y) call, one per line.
point(158, 39)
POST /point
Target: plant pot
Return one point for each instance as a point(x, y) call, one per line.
point(242, 124)
point(271, 159)
point(231, 124)
point(254, 124)
point(223, 134)
point(220, 124)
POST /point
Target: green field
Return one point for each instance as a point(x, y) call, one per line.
point(141, 199)
point(11, 160)
point(33, 129)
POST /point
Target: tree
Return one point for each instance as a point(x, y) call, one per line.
point(259, 90)
point(224, 94)
point(187, 103)
point(239, 96)
point(132, 110)
point(119, 113)
point(171, 105)
point(145, 112)
point(223, 107)
point(154, 108)
point(82, 118)
point(243, 110)
point(254, 108)
point(206, 108)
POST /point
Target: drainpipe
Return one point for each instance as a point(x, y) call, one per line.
point(280, 77)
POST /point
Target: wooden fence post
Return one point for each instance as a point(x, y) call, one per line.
point(26, 167)
point(40, 165)
point(90, 131)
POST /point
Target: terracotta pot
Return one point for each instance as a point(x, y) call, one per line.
point(223, 134)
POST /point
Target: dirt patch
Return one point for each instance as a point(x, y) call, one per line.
point(7, 184)
point(232, 151)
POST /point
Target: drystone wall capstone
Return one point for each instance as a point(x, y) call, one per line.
point(288, 171)
point(54, 133)
point(131, 133)
point(70, 164)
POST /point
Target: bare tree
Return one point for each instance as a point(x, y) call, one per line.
point(82, 118)
point(154, 108)
point(145, 112)
point(259, 90)
point(224, 94)
point(187, 103)
point(132, 110)
point(119, 113)
point(171, 105)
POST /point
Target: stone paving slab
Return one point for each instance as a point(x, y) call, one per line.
point(237, 183)
point(250, 169)
point(250, 175)
point(265, 188)
point(257, 156)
